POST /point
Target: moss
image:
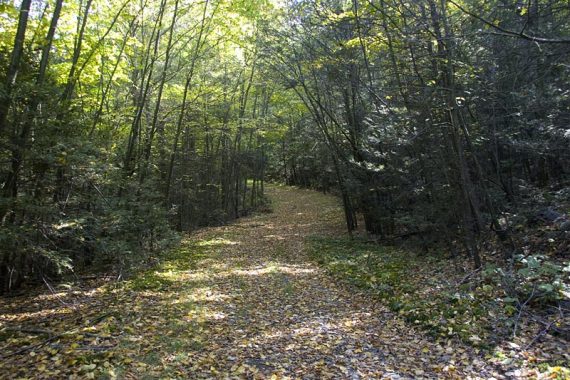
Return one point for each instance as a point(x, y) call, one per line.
point(149, 281)
point(169, 266)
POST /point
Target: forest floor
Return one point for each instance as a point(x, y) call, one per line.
point(239, 301)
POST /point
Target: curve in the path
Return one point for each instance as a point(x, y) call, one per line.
point(262, 309)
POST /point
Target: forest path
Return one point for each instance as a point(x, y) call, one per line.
point(238, 301)
point(257, 307)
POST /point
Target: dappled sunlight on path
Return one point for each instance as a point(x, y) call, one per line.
point(255, 306)
point(245, 301)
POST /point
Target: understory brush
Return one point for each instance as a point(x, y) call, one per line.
point(524, 301)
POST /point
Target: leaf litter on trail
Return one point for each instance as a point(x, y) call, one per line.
point(238, 301)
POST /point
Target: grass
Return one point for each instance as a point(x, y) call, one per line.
point(174, 262)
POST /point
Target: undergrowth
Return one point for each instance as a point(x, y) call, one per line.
point(407, 285)
point(480, 308)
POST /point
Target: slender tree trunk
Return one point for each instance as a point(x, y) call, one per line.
point(471, 217)
point(71, 78)
point(20, 140)
point(104, 94)
point(141, 98)
point(180, 122)
point(155, 127)
point(14, 66)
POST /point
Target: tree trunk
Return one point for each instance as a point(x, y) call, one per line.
point(15, 58)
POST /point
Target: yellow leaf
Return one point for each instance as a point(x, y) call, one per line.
point(241, 370)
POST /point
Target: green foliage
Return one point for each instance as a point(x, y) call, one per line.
point(428, 136)
point(99, 166)
point(537, 279)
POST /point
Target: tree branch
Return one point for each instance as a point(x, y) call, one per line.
point(508, 32)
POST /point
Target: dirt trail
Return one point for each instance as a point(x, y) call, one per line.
point(245, 301)
point(270, 311)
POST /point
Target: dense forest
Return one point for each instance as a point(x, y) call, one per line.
point(123, 122)
point(442, 126)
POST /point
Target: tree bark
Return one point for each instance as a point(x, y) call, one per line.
point(15, 58)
